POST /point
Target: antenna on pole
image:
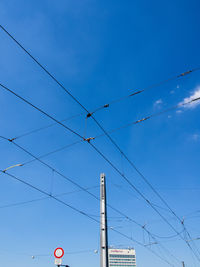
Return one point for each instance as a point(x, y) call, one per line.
point(103, 223)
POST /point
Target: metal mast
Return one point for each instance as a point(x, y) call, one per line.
point(103, 223)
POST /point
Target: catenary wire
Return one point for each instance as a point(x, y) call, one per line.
point(150, 116)
point(141, 194)
point(46, 127)
point(78, 102)
point(168, 237)
point(79, 211)
point(142, 90)
point(102, 155)
point(91, 115)
point(100, 152)
point(53, 152)
point(147, 182)
point(77, 115)
point(76, 184)
point(48, 254)
point(43, 198)
point(51, 168)
point(115, 129)
point(67, 193)
point(59, 173)
point(82, 188)
point(42, 111)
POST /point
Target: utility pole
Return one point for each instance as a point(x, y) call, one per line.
point(183, 263)
point(103, 223)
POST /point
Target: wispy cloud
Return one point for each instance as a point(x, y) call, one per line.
point(158, 102)
point(194, 95)
point(195, 137)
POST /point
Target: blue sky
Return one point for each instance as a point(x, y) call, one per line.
point(100, 51)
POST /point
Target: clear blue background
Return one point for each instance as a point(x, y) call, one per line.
point(100, 50)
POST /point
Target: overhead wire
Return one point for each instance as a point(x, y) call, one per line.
point(88, 140)
point(49, 195)
point(95, 148)
point(147, 201)
point(78, 102)
point(40, 199)
point(41, 111)
point(121, 188)
point(78, 185)
point(150, 116)
point(168, 237)
point(33, 255)
point(91, 115)
point(142, 90)
point(147, 182)
point(53, 152)
point(78, 211)
point(50, 167)
point(115, 129)
point(106, 105)
point(183, 74)
point(45, 127)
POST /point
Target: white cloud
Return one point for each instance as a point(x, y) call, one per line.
point(158, 102)
point(194, 95)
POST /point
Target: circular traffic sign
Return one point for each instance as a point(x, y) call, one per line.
point(58, 253)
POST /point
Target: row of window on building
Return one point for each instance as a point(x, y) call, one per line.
point(121, 257)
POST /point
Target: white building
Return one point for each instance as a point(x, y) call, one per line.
point(121, 257)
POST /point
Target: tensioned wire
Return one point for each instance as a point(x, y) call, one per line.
point(106, 105)
point(84, 189)
point(81, 212)
point(100, 126)
point(115, 129)
point(105, 158)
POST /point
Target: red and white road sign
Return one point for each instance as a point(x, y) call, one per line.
point(58, 253)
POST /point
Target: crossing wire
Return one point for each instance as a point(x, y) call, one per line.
point(77, 115)
point(150, 116)
point(114, 130)
point(99, 125)
point(46, 127)
point(142, 90)
point(80, 212)
point(40, 199)
point(84, 189)
point(41, 111)
point(89, 114)
point(105, 158)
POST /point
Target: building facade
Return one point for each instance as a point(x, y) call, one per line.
point(121, 257)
